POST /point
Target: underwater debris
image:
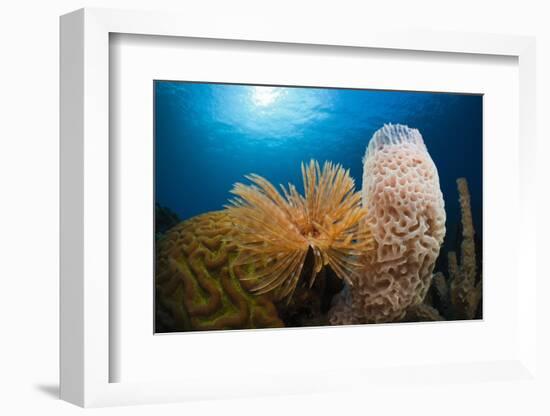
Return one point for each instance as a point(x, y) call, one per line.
point(276, 232)
point(460, 295)
point(198, 285)
point(406, 216)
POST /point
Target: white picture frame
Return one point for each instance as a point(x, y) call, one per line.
point(85, 353)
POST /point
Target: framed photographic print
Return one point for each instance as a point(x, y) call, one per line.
point(318, 251)
point(279, 212)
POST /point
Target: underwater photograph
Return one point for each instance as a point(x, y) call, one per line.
point(289, 206)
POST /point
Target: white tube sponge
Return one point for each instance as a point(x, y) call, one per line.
point(406, 215)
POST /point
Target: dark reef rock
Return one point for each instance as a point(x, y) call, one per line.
point(165, 219)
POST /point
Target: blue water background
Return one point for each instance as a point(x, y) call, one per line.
point(208, 136)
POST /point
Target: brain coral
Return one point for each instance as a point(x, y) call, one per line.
point(198, 285)
point(406, 216)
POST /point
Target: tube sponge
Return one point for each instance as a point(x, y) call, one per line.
point(459, 296)
point(406, 216)
point(465, 293)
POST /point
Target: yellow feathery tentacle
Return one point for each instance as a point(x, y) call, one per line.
point(276, 230)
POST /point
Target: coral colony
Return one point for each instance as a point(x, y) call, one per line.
point(272, 253)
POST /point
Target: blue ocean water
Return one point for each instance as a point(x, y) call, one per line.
point(208, 136)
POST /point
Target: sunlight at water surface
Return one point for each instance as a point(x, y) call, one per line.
point(264, 96)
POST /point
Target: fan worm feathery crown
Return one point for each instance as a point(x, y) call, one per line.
point(276, 230)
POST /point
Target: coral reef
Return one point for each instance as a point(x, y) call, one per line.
point(422, 313)
point(406, 216)
point(459, 296)
point(234, 268)
point(276, 232)
point(198, 285)
point(330, 256)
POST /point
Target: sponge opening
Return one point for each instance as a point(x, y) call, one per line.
point(392, 135)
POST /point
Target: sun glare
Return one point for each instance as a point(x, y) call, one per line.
point(264, 96)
